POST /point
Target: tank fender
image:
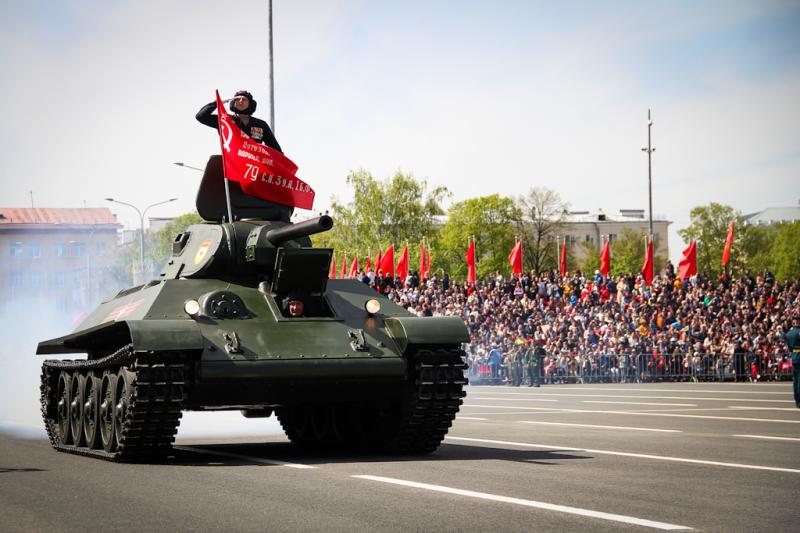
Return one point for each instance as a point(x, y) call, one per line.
point(427, 330)
point(162, 335)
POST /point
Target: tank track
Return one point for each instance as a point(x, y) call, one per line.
point(433, 401)
point(416, 424)
point(154, 408)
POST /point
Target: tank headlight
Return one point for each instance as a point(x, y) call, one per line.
point(372, 306)
point(192, 308)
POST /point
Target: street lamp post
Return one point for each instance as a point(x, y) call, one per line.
point(141, 224)
point(184, 165)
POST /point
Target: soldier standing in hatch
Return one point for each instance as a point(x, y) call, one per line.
point(793, 342)
point(242, 106)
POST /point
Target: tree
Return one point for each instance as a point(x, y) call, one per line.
point(709, 225)
point(785, 256)
point(540, 213)
point(392, 211)
point(489, 220)
point(591, 258)
point(627, 254)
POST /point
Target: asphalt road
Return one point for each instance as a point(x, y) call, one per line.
point(630, 457)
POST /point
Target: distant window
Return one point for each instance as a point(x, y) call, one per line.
point(59, 280)
point(99, 247)
point(572, 239)
point(61, 250)
point(612, 237)
point(16, 280)
point(16, 250)
point(78, 249)
point(589, 238)
point(35, 251)
point(62, 304)
point(36, 280)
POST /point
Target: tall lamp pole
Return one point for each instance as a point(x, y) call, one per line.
point(271, 75)
point(141, 224)
point(650, 151)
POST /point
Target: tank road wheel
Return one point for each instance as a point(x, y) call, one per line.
point(63, 406)
point(122, 401)
point(91, 411)
point(106, 412)
point(76, 409)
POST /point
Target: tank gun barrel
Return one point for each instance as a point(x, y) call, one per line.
point(301, 229)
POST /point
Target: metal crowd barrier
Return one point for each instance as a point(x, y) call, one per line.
point(639, 368)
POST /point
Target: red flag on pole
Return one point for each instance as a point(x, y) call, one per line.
point(515, 257)
point(471, 262)
point(344, 267)
point(726, 253)
point(422, 260)
point(387, 261)
point(647, 266)
point(367, 264)
point(378, 258)
point(687, 267)
point(428, 264)
point(402, 265)
point(562, 262)
point(332, 273)
point(353, 268)
point(262, 171)
point(605, 260)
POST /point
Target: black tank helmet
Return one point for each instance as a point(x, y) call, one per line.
point(250, 109)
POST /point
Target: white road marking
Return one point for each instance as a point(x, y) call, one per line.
point(516, 399)
point(767, 437)
point(600, 427)
point(470, 418)
point(546, 410)
point(628, 454)
point(605, 388)
point(749, 408)
point(528, 503)
point(243, 457)
point(643, 403)
point(527, 397)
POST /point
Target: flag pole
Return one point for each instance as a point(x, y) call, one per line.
point(271, 75)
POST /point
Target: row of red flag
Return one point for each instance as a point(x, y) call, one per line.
point(384, 263)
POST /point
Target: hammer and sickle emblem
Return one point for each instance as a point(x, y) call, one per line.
point(227, 134)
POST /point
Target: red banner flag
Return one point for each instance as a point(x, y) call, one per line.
point(422, 260)
point(471, 262)
point(687, 267)
point(262, 171)
point(353, 268)
point(428, 265)
point(387, 261)
point(367, 264)
point(515, 257)
point(332, 273)
point(726, 253)
point(562, 261)
point(378, 258)
point(647, 266)
point(402, 265)
point(605, 260)
point(344, 267)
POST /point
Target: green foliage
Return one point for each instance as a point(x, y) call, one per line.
point(758, 243)
point(396, 211)
point(160, 252)
point(709, 225)
point(627, 254)
point(591, 258)
point(489, 220)
point(786, 257)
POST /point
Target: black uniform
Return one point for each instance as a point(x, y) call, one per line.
point(256, 128)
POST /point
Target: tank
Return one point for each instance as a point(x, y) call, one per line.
point(220, 330)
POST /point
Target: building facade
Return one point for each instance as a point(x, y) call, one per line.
point(595, 228)
point(56, 257)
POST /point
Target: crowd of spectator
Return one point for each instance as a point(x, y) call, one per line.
point(613, 329)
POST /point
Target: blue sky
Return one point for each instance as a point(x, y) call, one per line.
point(482, 97)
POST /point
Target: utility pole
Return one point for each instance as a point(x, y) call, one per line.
point(650, 151)
point(271, 75)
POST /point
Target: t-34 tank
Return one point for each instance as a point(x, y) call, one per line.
point(350, 369)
